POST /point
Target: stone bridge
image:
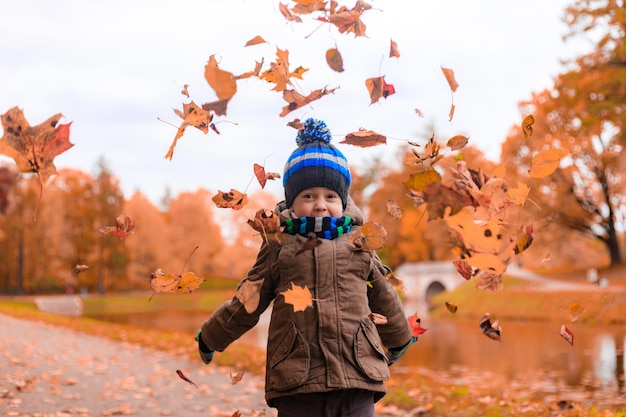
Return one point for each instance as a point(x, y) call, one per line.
point(422, 280)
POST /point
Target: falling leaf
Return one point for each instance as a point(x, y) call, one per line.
point(546, 162)
point(255, 41)
point(296, 124)
point(192, 115)
point(451, 112)
point(415, 323)
point(449, 74)
point(451, 307)
point(170, 283)
point(520, 194)
point(420, 180)
point(78, 269)
point(124, 225)
point(279, 73)
point(464, 268)
point(184, 90)
point(371, 236)
point(262, 176)
point(393, 208)
point(346, 20)
point(524, 238)
point(457, 142)
point(491, 330)
point(567, 335)
point(527, 124)
point(394, 280)
point(377, 87)
point(235, 377)
point(34, 148)
point(393, 49)
point(249, 294)
point(8, 175)
point(377, 318)
point(334, 59)
point(222, 82)
point(575, 310)
point(184, 378)
point(297, 100)
point(299, 297)
point(233, 199)
point(364, 138)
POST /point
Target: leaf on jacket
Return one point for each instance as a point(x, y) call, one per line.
point(233, 199)
point(491, 329)
point(415, 323)
point(371, 236)
point(299, 297)
point(249, 294)
point(124, 225)
point(567, 335)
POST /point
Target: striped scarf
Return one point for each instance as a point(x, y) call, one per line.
point(324, 227)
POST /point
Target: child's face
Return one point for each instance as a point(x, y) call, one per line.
point(317, 202)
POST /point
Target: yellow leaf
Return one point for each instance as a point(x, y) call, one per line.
point(419, 180)
point(170, 283)
point(546, 162)
point(519, 194)
point(299, 297)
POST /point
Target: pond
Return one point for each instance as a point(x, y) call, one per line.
point(532, 360)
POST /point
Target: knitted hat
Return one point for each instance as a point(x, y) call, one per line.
point(316, 163)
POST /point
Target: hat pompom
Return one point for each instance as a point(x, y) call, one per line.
point(314, 131)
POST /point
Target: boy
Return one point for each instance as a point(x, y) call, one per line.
point(328, 359)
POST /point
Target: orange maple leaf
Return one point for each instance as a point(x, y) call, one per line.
point(299, 297)
point(34, 148)
point(192, 115)
point(279, 73)
point(222, 82)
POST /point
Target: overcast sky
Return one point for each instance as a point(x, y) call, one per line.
point(115, 69)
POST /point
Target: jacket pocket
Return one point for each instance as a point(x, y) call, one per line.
point(289, 364)
point(369, 352)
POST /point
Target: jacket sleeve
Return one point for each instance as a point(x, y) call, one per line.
point(384, 300)
point(231, 320)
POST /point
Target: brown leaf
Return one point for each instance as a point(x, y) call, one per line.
point(297, 100)
point(527, 124)
point(124, 225)
point(8, 175)
point(393, 50)
point(236, 377)
point(464, 268)
point(311, 242)
point(170, 283)
point(184, 378)
point(364, 138)
point(393, 208)
point(222, 82)
point(284, 10)
point(449, 74)
point(378, 87)
point(34, 148)
point(457, 142)
point(255, 41)
point(451, 307)
point(233, 199)
point(249, 294)
point(371, 236)
point(378, 318)
point(192, 115)
point(265, 222)
point(567, 335)
point(334, 59)
point(491, 330)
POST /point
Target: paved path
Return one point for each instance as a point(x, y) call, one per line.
point(50, 371)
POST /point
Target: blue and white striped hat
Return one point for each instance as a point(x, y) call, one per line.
point(316, 163)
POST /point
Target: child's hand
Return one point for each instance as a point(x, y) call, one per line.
point(395, 354)
point(206, 354)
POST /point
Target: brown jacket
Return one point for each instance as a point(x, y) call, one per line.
point(333, 344)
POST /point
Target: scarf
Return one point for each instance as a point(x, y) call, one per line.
point(324, 227)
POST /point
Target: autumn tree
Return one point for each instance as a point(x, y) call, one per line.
point(585, 113)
